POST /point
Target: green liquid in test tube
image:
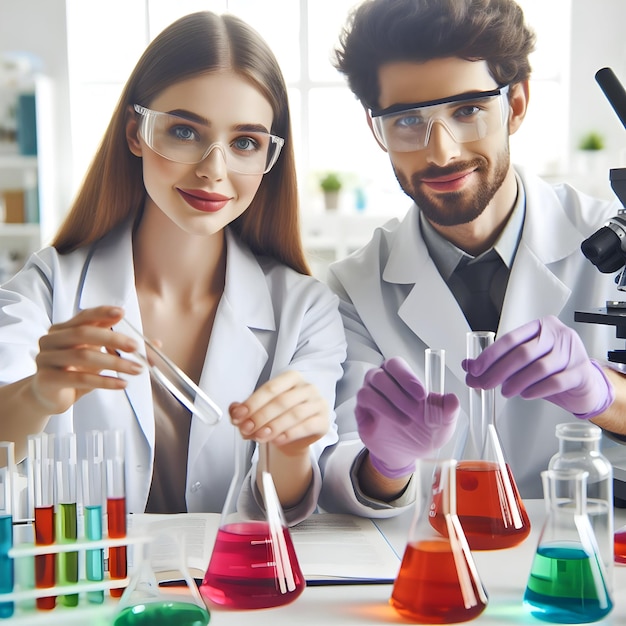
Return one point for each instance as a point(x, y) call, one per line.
point(92, 490)
point(67, 524)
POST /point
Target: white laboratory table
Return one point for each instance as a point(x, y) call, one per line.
point(504, 574)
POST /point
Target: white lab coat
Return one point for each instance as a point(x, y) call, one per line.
point(395, 303)
point(269, 319)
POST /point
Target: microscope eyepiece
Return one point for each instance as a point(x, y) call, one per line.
point(604, 250)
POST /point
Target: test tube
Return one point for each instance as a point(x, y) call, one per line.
point(482, 401)
point(41, 457)
point(67, 525)
point(92, 492)
point(116, 504)
point(7, 469)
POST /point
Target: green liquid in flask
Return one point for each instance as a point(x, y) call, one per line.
point(163, 613)
point(566, 586)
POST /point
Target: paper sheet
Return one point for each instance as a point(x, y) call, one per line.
point(331, 549)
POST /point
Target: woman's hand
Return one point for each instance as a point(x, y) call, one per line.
point(286, 411)
point(73, 356)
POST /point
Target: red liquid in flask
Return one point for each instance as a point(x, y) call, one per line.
point(116, 518)
point(45, 564)
point(487, 513)
point(620, 546)
point(242, 572)
point(427, 588)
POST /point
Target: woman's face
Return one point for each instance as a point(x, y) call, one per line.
point(219, 109)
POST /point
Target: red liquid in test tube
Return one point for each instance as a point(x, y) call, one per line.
point(41, 458)
point(116, 505)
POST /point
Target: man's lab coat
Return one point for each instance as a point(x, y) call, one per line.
point(395, 303)
point(269, 319)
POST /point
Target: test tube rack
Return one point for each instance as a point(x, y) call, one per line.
point(85, 612)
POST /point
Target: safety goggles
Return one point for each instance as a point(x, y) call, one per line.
point(184, 140)
point(467, 117)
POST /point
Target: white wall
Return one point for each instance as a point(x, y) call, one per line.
point(598, 41)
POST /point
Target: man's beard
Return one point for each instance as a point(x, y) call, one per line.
point(457, 207)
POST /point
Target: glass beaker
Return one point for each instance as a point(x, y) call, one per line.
point(489, 506)
point(438, 582)
point(253, 564)
point(567, 582)
point(579, 448)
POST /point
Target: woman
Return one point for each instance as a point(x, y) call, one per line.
point(187, 225)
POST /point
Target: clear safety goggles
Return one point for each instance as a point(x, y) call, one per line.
point(177, 138)
point(467, 117)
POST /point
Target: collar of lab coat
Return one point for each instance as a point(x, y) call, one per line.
point(547, 237)
point(235, 357)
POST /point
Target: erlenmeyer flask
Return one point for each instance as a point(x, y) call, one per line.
point(489, 506)
point(438, 582)
point(567, 582)
point(253, 564)
point(145, 603)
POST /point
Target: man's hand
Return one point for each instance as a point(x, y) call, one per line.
point(398, 422)
point(543, 359)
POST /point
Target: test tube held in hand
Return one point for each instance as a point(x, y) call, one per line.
point(116, 504)
point(66, 515)
point(435, 367)
point(92, 482)
point(41, 457)
point(7, 575)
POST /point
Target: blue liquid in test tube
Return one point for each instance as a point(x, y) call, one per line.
point(92, 486)
point(7, 469)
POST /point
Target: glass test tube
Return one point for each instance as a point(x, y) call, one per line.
point(7, 469)
point(92, 491)
point(116, 504)
point(482, 401)
point(41, 457)
point(435, 367)
point(66, 515)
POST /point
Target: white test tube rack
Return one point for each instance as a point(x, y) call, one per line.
point(85, 610)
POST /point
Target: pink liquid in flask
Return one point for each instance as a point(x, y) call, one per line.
point(242, 571)
point(620, 545)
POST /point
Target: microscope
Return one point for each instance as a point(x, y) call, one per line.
point(606, 249)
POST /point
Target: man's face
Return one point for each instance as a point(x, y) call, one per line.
point(452, 182)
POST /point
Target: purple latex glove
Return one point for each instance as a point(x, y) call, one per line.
point(397, 422)
point(543, 359)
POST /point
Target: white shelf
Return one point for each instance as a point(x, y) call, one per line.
point(20, 230)
point(9, 160)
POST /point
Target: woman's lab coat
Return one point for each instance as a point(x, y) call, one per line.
point(269, 319)
point(395, 303)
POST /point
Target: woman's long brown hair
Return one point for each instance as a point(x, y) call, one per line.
point(113, 189)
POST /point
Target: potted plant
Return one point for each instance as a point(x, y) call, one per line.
point(331, 186)
point(591, 155)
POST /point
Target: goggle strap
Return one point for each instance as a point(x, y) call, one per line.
point(462, 97)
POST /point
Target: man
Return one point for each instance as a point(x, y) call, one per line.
point(444, 83)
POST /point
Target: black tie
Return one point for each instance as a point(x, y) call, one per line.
point(476, 291)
